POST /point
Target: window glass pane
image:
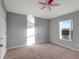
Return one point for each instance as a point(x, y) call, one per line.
point(65, 29)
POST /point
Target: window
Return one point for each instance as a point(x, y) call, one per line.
point(66, 30)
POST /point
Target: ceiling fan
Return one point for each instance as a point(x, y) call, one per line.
point(49, 4)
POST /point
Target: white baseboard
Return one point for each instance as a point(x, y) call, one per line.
point(66, 46)
point(4, 54)
point(49, 42)
point(16, 47)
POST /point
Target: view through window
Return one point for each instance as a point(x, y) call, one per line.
point(66, 30)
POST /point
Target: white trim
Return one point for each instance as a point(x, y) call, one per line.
point(50, 42)
point(4, 54)
point(66, 46)
point(16, 47)
point(67, 40)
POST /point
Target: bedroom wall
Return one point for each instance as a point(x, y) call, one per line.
point(42, 30)
point(54, 31)
point(16, 27)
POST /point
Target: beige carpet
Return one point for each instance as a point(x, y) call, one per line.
point(42, 51)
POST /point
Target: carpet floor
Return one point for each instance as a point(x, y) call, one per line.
point(42, 51)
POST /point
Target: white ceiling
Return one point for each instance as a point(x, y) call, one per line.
point(32, 7)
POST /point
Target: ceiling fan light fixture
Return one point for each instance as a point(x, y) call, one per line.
point(48, 3)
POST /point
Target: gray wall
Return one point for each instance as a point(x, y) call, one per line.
point(17, 25)
point(54, 31)
point(41, 30)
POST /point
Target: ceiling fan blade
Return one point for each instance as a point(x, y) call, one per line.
point(43, 7)
point(42, 3)
point(56, 4)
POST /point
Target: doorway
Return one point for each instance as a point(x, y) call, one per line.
point(30, 30)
